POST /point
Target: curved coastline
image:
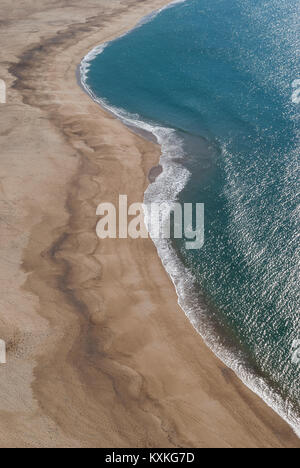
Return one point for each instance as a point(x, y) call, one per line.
point(100, 355)
point(170, 181)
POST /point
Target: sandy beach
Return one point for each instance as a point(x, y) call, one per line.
point(99, 354)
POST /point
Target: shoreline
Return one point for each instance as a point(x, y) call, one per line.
point(80, 372)
point(228, 353)
point(136, 130)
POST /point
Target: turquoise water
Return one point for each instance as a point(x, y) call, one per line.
point(212, 79)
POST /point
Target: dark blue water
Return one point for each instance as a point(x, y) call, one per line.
point(220, 73)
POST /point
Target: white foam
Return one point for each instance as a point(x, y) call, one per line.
point(188, 299)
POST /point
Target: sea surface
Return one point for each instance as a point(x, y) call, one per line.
point(215, 82)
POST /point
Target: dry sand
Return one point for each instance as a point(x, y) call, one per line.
point(99, 353)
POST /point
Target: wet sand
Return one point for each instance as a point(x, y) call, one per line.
point(99, 353)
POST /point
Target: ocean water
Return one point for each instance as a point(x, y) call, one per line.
point(215, 82)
